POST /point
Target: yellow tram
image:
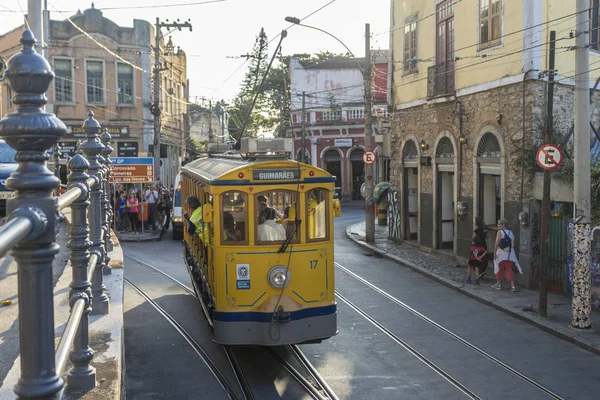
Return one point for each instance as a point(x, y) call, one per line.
point(263, 261)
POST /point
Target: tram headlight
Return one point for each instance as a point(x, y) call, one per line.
point(279, 277)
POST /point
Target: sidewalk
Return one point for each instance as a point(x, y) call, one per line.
point(146, 236)
point(105, 331)
point(522, 304)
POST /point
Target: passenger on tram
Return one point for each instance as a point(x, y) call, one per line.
point(230, 231)
point(270, 230)
point(194, 216)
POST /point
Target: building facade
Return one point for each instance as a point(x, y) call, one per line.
point(469, 92)
point(107, 68)
point(334, 117)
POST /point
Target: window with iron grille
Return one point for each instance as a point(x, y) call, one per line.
point(594, 36)
point(63, 83)
point(125, 83)
point(490, 22)
point(331, 115)
point(409, 65)
point(95, 82)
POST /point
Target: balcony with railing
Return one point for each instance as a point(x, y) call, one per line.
point(440, 79)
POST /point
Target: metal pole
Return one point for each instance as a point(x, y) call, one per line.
point(107, 214)
point(36, 22)
point(82, 376)
point(581, 316)
point(92, 149)
point(303, 140)
point(31, 132)
point(157, 110)
point(369, 202)
point(545, 228)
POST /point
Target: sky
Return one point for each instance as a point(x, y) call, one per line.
point(225, 29)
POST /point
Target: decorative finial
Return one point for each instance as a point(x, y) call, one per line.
point(92, 4)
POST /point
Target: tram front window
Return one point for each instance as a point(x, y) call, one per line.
point(273, 220)
point(234, 217)
point(317, 214)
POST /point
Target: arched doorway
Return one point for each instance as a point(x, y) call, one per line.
point(332, 163)
point(444, 161)
point(410, 160)
point(489, 178)
point(357, 172)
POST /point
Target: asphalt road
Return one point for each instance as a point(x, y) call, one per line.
point(407, 358)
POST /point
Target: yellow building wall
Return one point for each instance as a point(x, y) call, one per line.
point(480, 66)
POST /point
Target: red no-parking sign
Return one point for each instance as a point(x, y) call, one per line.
point(549, 157)
point(368, 157)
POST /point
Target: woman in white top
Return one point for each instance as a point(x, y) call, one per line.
point(270, 230)
point(505, 255)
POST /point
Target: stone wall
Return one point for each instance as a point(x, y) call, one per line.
point(497, 110)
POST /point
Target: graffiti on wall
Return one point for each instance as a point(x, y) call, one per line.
point(535, 245)
point(394, 216)
point(574, 246)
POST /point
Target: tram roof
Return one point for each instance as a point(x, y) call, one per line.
point(212, 168)
point(215, 168)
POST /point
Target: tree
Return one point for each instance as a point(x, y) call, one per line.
point(260, 118)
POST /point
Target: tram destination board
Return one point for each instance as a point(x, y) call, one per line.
point(275, 174)
point(132, 170)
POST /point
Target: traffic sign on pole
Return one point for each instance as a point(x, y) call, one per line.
point(549, 157)
point(368, 157)
point(132, 170)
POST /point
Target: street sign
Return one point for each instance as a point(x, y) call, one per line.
point(132, 170)
point(549, 157)
point(368, 157)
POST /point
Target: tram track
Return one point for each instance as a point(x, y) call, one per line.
point(441, 328)
point(318, 389)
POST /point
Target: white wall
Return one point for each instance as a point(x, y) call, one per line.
point(320, 81)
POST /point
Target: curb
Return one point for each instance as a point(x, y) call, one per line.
point(460, 288)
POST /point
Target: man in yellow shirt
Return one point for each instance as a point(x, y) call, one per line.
point(195, 225)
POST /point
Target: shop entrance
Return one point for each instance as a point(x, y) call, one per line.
point(333, 165)
point(444, 159)
point(411, 190)
point(489, 181)
point(357, 172)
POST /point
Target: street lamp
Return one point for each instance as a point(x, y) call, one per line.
point(296, 21)
point(366, 72)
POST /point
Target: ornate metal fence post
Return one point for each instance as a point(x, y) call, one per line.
point(82, 376)
point(108, 201)
point(92, 149)
point(31, 132)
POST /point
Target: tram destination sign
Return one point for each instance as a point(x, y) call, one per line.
point(275, 174)
point(132, 170)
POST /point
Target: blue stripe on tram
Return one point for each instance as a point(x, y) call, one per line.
point(266, 317)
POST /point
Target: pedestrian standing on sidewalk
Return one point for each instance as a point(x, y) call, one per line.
point(505, 256)
point(151, 197)
point(121, 210)
point(132, 205)
point(478, 253)
point(481, 233)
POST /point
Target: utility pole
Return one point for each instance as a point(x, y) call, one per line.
point(369, 211)
point(36, 23)
point(303, 141)
point(156, 111)
point(211, 137)
point(581, 307)
point(543, 278)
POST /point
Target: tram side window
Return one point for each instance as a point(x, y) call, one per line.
point(273, 219)
point(317, 214)
point(234, 218)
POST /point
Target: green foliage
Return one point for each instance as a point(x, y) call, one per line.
point(273, 106)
